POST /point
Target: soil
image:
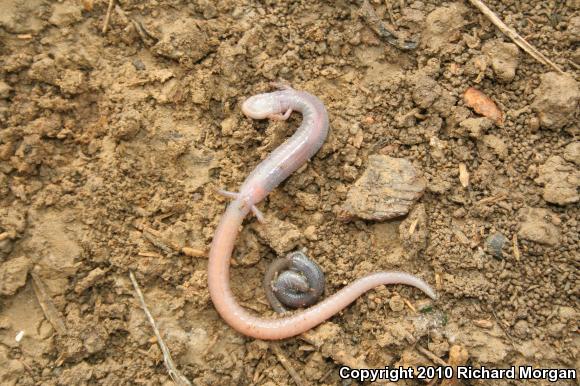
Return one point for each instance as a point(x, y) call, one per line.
point(112, 146)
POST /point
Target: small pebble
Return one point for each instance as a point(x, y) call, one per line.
point(138, 64)
point(396, 303)
point(495, 243)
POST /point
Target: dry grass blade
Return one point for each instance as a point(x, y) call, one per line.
point(513, 35)
point(177, 377)
point(50, 312)
point(431, 356)
point(463, 175)
point(108, 16)
point(286, 363)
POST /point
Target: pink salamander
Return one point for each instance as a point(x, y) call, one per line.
point(282, 162)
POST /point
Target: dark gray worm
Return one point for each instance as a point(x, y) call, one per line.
point(293, 281)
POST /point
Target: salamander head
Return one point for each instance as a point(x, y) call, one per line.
point(261, 106)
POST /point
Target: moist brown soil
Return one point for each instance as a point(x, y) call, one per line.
point(112, 145)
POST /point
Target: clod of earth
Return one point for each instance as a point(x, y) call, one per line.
point(387, 189)
point(534, 226)
point(557, 100)
point(561, 180)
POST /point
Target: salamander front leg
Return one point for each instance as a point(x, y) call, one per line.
point(280, 117)
point(235, 196)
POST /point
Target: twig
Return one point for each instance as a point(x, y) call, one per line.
point(513, 35)
point(108, 16)
point(376, 24)
point(517, 253)
point(502, 328)
point(167, 360)
point(50, 312)
point(194, 252)
point(577, 67)
point(431, 356)
point(411, 307)
point(286, 363)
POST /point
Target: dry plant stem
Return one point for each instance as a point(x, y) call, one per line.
point(513, 35)
point(50, 312)
point(108, 16)
point(337, 355)
point(431, 356)
point(286, 363)
point(177, 377)
point(376, 24)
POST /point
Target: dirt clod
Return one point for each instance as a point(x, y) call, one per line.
point(387, 189)
point(537, 225)
point(561, 181)
point(556, 100)
point(503, 58)
point(280, 235)
point(13, 274)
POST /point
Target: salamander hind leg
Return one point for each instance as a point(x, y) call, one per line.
point(228, 194)
point(258, 213)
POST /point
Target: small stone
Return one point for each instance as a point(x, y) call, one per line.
point(458, 355)
point(561, 181)
point(438, 347)
point(4, 90)
point(138, 64)
point(475, 127)
point(495, 243)
point(308, 201)
point(93, 276)
point(387, 189)
point(534, 124)
point(496, 144)
point(71, 81)
point(459, 213)
point(503, 57)
point(556, 330)
point(521, 328)
point(574, 29)
point(572, 152)
point(13, 274)
point(425, 91)
point(229, 125)
point(396, 303)
point(556, 100)
point(65, 14)
point(126, 125)
point(442, 25)
point(534, 226)
point(184, 41)
point(281, 236)
point(567, 313)
point(485, 346)
point(310, 233)
point(93, 342)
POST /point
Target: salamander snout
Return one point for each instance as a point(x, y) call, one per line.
point(261, 106)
